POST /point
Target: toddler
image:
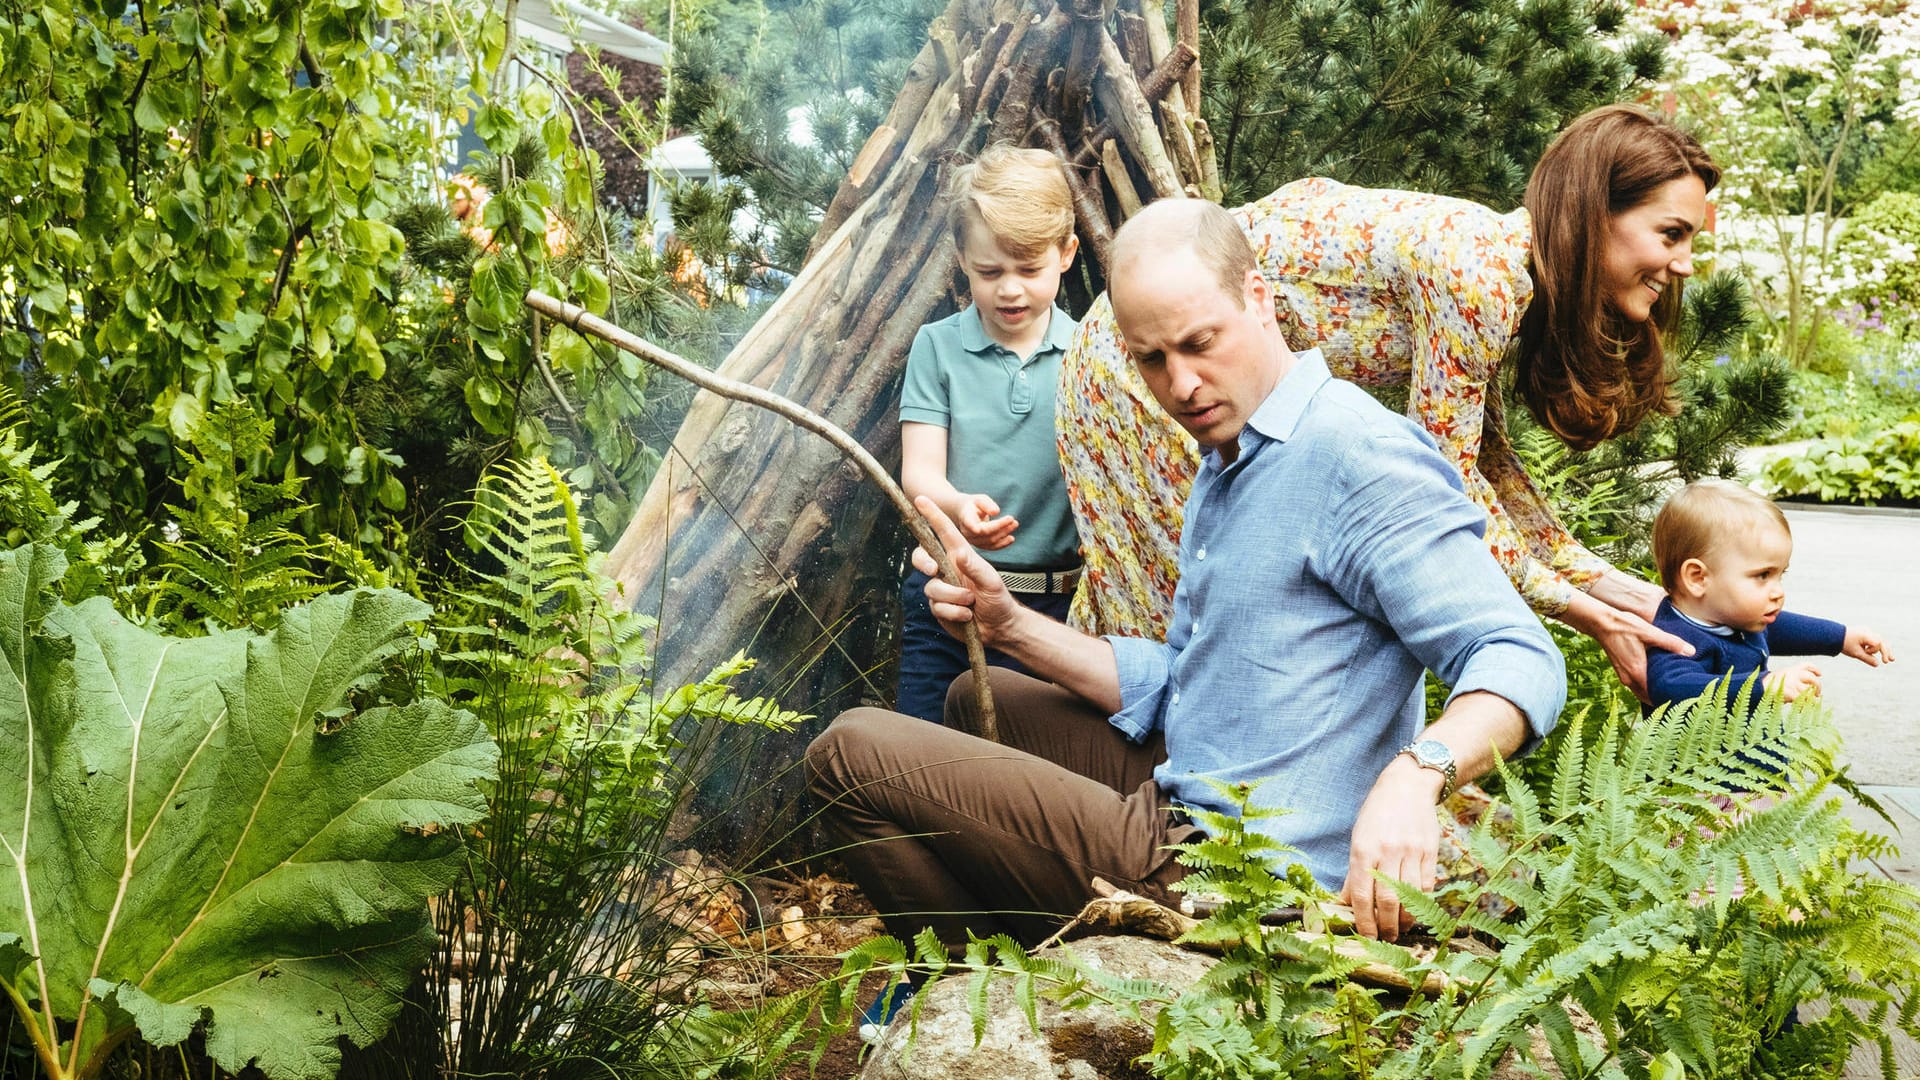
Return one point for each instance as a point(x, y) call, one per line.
point(1722, 551)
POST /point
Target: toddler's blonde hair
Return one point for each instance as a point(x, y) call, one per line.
point(1021, 196)
point(1699, 517)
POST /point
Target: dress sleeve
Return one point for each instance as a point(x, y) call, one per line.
point(1453, 274)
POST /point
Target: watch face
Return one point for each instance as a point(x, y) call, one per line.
point(1432, 752)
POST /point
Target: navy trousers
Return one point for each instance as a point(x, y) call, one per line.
point(931, 658)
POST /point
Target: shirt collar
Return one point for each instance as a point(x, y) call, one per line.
point(1712, 628)
point(1279, 415)
point(974, 339)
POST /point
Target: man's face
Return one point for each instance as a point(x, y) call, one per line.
point(1209, 358)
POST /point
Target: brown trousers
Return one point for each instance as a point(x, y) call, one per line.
point(946, 830)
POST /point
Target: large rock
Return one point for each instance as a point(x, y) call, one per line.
point(1094, 1043)
point(1072, 1044)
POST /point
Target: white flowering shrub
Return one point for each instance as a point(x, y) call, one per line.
point(1876, 264)
point(1788, 98)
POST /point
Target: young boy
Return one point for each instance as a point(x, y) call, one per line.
point(1722, 552)
point(976, 413)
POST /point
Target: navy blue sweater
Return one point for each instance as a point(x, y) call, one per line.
point(1672, 678)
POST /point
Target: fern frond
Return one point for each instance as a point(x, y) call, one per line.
point(1568, 771)
point(1644, 934)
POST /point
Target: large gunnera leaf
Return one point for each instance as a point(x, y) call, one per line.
point(201, 832)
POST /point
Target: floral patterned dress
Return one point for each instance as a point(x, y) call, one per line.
point(1395, 287)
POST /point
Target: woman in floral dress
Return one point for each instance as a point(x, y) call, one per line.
point(1398, 287)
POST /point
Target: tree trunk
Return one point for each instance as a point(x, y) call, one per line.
point(757, 536)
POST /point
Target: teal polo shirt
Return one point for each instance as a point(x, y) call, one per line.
point(998, 413)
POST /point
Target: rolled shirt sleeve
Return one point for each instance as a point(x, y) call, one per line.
point(1144, 669)
point(1444, 599)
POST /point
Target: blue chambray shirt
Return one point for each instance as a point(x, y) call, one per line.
point(1321, 573)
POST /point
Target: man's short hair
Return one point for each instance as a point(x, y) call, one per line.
point(1699, 517)
point(1019, 195)
point(1210, 232)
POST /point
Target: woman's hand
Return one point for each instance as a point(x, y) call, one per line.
point(1624, 635)
point(1631, 594)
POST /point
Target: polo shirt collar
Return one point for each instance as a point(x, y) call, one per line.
point(974, 339)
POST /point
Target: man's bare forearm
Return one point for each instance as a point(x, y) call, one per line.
point(1060, 654)
point(1473, 726)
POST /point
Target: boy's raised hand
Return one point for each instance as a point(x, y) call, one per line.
point(1866, 646)
point(983, 599)
point(980, 525)
point(1796, 681)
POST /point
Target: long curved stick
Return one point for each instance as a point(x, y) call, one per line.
point(582, 321)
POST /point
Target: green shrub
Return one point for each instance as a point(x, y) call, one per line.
point(1884, 468)
point(564, 944)
point(1826, 406)
point(1831, 348)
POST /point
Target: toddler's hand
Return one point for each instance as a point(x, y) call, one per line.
point(1795, 682)
point(1865, 646)
point(979, 525)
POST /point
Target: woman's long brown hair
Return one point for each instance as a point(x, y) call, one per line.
point(1585, 373)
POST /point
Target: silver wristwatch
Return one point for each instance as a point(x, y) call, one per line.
point(1433, 754)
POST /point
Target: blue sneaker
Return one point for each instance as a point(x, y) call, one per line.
point(877, 1015)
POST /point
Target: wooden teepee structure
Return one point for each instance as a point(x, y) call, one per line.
point(753, 532)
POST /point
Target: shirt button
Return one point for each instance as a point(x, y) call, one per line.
point(1176, 697)
point(1196, 628)
point(1201, 554)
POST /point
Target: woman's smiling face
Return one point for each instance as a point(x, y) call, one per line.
point(1650, 246)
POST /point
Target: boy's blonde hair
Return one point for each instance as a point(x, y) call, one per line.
point(1698, 518)
point(1021, 196)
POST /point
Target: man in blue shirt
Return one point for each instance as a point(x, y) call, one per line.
point(1328, 557)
